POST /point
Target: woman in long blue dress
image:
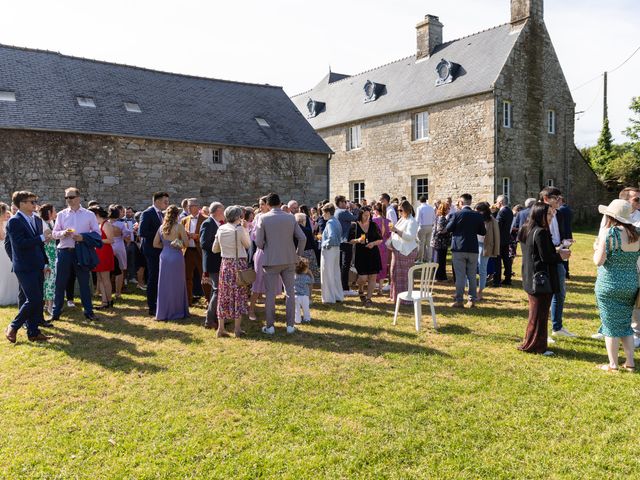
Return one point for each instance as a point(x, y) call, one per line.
point(172, 286)
point(617, 253)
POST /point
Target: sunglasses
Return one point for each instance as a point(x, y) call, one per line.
point(71, 197)
point(32, 202)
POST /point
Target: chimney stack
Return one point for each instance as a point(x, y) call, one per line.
point(429, 36)
point(522, 10)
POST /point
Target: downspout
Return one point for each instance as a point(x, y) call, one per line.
point(495, 149)
point(329, 175)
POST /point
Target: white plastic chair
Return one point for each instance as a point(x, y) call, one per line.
point(425, 292)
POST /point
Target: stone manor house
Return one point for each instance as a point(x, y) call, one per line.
point(120, 133)
point(487, 114)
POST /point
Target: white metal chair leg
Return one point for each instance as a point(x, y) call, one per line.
point(417, 308)
point(433, 314)
point(395, 316)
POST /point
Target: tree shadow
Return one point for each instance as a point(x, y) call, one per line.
point(120, 325)
point(453, 329)
point(361, 328)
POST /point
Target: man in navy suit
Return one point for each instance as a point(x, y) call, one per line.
point(211, 261)
point(465, 226)
point(25, 241)
point(150, 222)
point(505, 220)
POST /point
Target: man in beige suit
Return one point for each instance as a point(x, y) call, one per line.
point(193, 251)
point(275, 233)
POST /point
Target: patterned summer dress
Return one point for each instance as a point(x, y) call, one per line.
point(617, 287)
point(50, 280)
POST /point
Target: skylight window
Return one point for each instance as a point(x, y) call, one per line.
point(262, 122)
point(132, 107)
point(86, 102)
point(7, 96)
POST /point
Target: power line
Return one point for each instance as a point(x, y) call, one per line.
point(610, 71)
point(630, 57)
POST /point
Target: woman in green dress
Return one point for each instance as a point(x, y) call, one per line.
point(616, 254)
point(48, 214)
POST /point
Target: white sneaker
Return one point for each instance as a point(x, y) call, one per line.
point(636, 342)
point(548, 353)
point(291, 329)
point(563, 332)
point(268, 330)
point(550, 340)
point(597, 336)
point(133, 281)
point(70, 304)
point(350, 293)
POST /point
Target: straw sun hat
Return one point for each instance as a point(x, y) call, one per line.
point(618, 209)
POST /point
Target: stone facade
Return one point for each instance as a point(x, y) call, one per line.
point(113, 169)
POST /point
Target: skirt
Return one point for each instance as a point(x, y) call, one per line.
point(400, 265)
point(232, 298)
point(313, 264)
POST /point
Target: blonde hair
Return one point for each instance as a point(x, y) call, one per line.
point(170, 219)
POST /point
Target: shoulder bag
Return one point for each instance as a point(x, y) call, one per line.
point(245, 277)
point(541, 281)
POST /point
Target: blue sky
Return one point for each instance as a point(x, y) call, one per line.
point(292, 43)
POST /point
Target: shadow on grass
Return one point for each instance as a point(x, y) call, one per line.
point(120, 325)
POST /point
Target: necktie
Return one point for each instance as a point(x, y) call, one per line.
point(160, 215)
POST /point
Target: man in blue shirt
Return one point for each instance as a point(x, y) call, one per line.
point(346, 218)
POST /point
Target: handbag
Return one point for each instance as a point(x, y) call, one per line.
point(177, 243)
point(541, 282)
point(245, 277)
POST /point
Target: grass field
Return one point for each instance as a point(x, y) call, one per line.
point(348, 396)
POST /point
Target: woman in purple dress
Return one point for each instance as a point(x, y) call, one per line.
point(383, 227)
point(172, 286)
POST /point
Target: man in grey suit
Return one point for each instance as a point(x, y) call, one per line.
point(275, 233)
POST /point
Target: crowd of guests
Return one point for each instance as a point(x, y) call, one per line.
point(228, 257)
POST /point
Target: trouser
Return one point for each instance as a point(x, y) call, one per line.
point(71, 286)
point(424, 243)
point(441, 258)
point(153, 269)
point(65, 264)
point(273, 274)
point(193, 267)
point(211, 319)
point(302, 304)
point(131, 261)
point(346, 255)
point(465, 265)
point(557, 304)
point(503, 259)
point(32, 287)
point(330, 282)
point(482, 266)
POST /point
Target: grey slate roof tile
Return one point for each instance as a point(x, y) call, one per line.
point(174, 107)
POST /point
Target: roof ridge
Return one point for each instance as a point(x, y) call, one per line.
point(104, 62)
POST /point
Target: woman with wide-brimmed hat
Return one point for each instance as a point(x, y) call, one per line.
point(616, 254)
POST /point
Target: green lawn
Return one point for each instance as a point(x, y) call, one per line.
point(349, 396)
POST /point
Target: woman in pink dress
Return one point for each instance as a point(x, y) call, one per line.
point(383, 226)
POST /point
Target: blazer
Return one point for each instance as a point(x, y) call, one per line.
point(149, 225)
point(24, 247)
point(465, 225)
point(505, 220)
point(185, 223)
point(539, 256)
point(566, 215)
point(492, 240)
point(521, 218)
point(274, 235)
point(210, 261)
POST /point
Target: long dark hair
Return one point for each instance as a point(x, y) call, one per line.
point(632, 233)
point(537, 218)
point(484, 209)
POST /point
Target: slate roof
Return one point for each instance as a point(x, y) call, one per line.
point(410, 84)
point(174, 107)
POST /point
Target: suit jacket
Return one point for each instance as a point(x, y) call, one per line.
point(210, 261)
point(24, 247)
point(566, 215)
point(275, 232)
point(149, 225)
point(539, 255)
point(465, 225)
point(521, 218)
point(505, 220)
point(185, 223)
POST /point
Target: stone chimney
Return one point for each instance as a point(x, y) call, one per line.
point(522, 10)
point(429, 36)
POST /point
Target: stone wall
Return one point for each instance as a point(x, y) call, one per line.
point(457, 157)
point(124, 170)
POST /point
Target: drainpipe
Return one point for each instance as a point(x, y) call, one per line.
point(496, 181)
point(329, 175)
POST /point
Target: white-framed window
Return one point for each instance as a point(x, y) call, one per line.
point(86, 102)
point(262, 122)
point(421, 126)
point(6, 96)
point(551, 183)
point(507, 114)
point(132, 107)
point(357, 191)
point(506, 187)
point(211, 155)
point(420, 187)
point(354, 140)
point(551, 122)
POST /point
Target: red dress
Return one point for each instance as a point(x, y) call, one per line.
point(105, 255)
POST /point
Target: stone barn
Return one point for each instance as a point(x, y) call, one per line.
point(488, 114)
point(120, 133)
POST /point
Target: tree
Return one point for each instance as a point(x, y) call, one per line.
point(602, 153)
point(633, 130)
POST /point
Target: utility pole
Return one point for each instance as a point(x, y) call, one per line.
point(605, 113)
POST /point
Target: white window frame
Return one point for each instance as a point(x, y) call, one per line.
point(506, 187)
point(507, 114)
point(262, 122)
point(357, 190)
point(86, 102)
point(418, 192)
point(421, 126)
point(216, 155)
point(551, 183)
point(551, 122)
point(132, 107)
point(7, 96)
point(354, 137)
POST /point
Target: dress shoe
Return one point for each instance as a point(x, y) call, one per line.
point(210, 326)
point(91, 316)
point(152, 312)
point(41, 337)
point(45, 324)
point(11, 334)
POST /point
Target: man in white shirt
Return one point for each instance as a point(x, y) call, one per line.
point(426, 215)
point(392, 215)
point(193, 251)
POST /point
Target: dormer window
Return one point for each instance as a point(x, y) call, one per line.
point(132, 107)
point(262, 122)
point(315, 108)
point(86, 102)
point(6, 96)
point(372, 91)
point(446, 71)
